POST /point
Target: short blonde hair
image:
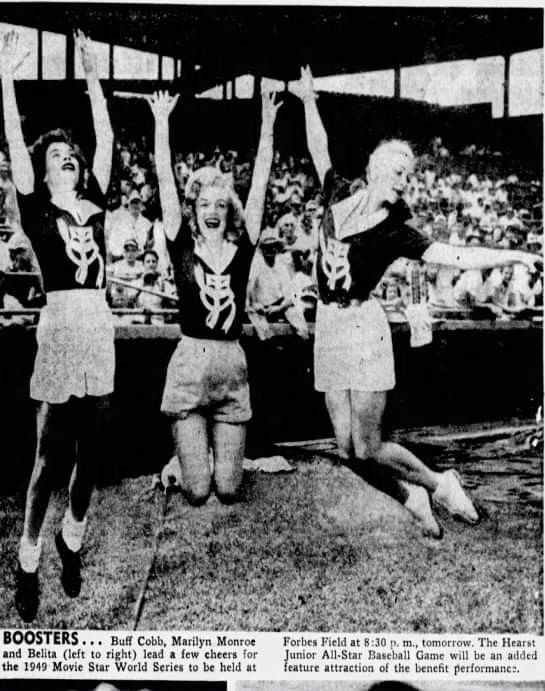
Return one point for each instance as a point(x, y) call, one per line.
point(384, 152)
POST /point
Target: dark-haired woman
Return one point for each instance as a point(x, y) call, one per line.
point(211, 245)
point(62, 206)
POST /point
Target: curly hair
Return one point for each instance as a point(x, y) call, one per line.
point(38, 153)
point(212, 177)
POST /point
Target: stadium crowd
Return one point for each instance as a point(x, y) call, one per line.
point(467, 198)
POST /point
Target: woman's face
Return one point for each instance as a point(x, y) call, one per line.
point(391, 292)
point(390, 177)
point(150, 263)
point(62, 169)
point(212, 208)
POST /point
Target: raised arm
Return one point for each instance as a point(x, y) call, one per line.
point(104, 137)
point(477, 257)
point(162, 105)
point(316, 134)
point(262, 167)
point(11, 58)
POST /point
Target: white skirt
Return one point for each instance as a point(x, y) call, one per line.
point(76, 354)
point(353, 348)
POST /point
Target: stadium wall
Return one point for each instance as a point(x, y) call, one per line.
point(471, 373)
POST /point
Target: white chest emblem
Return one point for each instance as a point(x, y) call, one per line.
point(82, 249)
point(334, 262)
point(217, 296)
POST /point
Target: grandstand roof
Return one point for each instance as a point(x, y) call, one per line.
point(227, 41)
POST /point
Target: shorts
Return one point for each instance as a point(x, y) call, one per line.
point(353, 348)
point(76, 355)
point(209, 377)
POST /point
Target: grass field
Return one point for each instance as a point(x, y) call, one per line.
point(316, 549)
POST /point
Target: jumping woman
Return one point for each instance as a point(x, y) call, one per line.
point(62, 206)
point(361, 235)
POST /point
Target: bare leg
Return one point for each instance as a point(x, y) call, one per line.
point(367, 410)
point(229, 441)
point(49, 421)
point(92, 411)
point(340, 412)
point(191, 439)
point(412, 474)
point(338, 407)
point(359, 427)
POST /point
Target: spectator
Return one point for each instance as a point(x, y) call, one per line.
point(287, 227)
point(152, 279)
point(269, 296)
point(131, 224)
point(129, 270)
point(21, 255)
point(9, 211)
point(468, 291)
point(9, 302)
point(5, 235)
point(304, 290)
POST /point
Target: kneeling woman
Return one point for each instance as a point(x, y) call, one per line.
point(211, 245)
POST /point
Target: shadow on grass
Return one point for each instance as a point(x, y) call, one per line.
point(314, 550)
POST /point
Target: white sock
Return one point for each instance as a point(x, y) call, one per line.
point(73, 531)
point(29, 554)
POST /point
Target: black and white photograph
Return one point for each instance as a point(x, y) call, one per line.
point(271, 318)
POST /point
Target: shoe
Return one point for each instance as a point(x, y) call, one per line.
point(27, 594)
point(450, 495)
point(418, 505)
point(71, 567)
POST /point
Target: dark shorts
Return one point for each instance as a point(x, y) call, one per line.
point(208, 377)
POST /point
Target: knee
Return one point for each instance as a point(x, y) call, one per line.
point(367, 449)
point(197, 493)
point(344, 448)
point(228, 497)
point(227, 481)
point(228, 489)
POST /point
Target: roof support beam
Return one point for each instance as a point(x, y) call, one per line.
point(397, 81)
point(506, 84)
point(70, 55)
point(40, 54)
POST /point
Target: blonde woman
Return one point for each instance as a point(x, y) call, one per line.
point(362, 233)
point(211, 242)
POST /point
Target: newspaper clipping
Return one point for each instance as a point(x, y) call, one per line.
point(271, 349)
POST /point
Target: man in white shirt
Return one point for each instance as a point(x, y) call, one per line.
point(124, 224)
point(269, 296)
point(129, 270)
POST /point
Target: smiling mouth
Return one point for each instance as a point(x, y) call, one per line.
point(68, 166)
point(212, 223)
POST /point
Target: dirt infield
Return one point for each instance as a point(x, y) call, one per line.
point(316, 549)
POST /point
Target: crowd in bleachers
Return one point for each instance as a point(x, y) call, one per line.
point(467, 198)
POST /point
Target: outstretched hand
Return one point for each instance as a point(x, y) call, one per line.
point(269, 109)
point(87, 53)
point(162, 104)
point(304, 87)
point(534, 262)
point(12, 55)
